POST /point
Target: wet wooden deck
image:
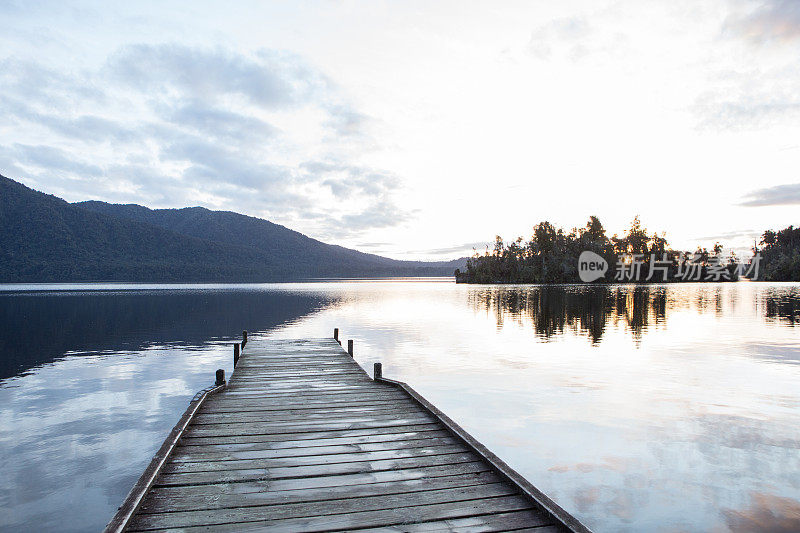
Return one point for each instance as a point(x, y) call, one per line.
point(302, 439)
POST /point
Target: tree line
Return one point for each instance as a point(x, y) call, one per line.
point(780, 254)
point(551, 256)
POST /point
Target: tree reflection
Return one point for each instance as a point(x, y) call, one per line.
point(585, 309)
point(37, 328)
point(590, 309)
point(784, 308)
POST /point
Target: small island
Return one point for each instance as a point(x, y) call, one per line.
point(553, 255)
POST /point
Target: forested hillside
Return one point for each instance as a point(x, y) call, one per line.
point(45, 239)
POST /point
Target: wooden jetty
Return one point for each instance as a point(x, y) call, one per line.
point(302, 439)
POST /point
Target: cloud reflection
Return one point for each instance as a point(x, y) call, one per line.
point(767, 513)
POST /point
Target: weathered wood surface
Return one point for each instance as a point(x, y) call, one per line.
point(302, 439)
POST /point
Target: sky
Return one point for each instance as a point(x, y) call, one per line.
point(415, 130)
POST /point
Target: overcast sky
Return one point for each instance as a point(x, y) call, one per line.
point(414, 129)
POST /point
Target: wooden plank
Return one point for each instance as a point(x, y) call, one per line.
point(332, 415)
point(302, 408)
point(299, 361)
point(340, 376)
point(317, 374)
point(223, 453)
point(307, 387)
point(354, 435)
point(293, 485)
point(396, 516)
point(312, 366)
point(299, 384)
point(177, 467)
point(280, 427)
point(323, 395)
point(160, 501)
point(310, 396)
point(247, 389)
point(271, 513)
point(310, 369)
point(267, 442)
point(294, 389)
point(315, 396)
point(295, 357)
point(262, 474)
point(517, 521)
point(321, 377)
point(306, 414)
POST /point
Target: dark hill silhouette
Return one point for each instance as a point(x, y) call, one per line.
point(43, 238)
point(228, 227)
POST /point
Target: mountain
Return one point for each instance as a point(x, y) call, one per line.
point(44, 238)
point(256, 233)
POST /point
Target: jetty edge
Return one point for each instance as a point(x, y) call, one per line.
point(301, 438)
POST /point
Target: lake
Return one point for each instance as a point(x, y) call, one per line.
point(637, 408)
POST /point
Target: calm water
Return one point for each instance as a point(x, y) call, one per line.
point(661, 408)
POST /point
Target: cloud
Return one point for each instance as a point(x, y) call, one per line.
point(761, 96)
point(53, 158)
point(346, 121)
point(788, 194)
point(381, 214)
point(50, 169)
point(266, 79)
point(770, 21)
point(200, 126)
point(465, 248)
point(213, 163)
point(34, 82)
point(90, 128)
point(731, 235)
point(746, 109)
point(577, 38)
point(346, 180)
point(757, 97)
point(762, 91)
point(563, 33)
point(373, 245)
point(221, 124)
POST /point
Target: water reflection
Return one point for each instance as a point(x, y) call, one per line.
point(584, 310)
point(99, 380)
point(784, 308)
point(660, 408)
point(37, 328)
point(636, 408)
point(767, 512)
point(590, 309)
